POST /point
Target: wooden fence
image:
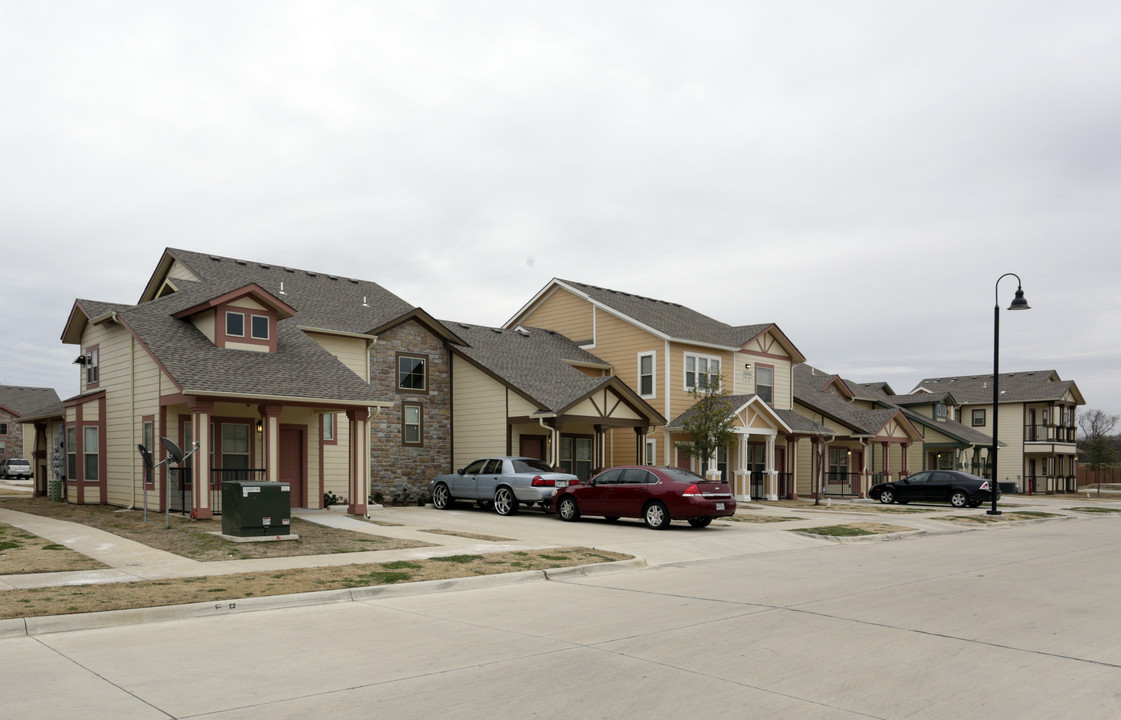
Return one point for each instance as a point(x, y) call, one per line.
point(1086, 476)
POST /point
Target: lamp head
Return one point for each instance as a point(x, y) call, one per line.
point(1019, 302)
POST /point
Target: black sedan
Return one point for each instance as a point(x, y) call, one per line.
point(960, 489)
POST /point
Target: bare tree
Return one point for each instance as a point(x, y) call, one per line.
point(1096, 442)
point(710, 424)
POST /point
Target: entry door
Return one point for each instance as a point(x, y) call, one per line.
point(855, 466)
point(532, 446)
point(293, 465)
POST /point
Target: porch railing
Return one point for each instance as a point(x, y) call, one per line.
point(839, 484)
point(180, 498)
point(1049, 433)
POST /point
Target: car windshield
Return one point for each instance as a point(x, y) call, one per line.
point(529, 465)
point(682, 475)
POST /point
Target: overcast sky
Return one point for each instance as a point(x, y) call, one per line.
point(858, 172)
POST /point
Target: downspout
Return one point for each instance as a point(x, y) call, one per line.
point(132, 414)
point(554, 445)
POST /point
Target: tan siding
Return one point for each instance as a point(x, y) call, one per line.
point(350, 351)
point(178, 271)
point(479, 409)
point(563, 312)
point(204, 321)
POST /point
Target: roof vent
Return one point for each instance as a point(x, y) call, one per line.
point(364, 303)
point(465, 326)
point(522, 331)
point(496, 330)
point(241, 262)
point(282, 289)
point(311, 274)
point(265, 267)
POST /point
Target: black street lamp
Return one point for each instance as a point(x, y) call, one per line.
point(1018, 303)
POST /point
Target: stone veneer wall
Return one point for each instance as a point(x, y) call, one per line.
point(13, 441)
point(401, 473)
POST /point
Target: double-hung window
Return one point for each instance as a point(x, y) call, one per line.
point(235, 324)
point(412, 425)
point(646, 373)
point(703, 370)
point(90, 462)
point(978, 417)
point(71, 453)
point(765, 383)
point(93, 368)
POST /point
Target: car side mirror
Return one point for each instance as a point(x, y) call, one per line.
point(459, 471)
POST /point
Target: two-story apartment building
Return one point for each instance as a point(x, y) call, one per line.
point(268, 369)
point(660, 349)
point(1038, 428)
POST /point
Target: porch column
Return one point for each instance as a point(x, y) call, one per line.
point(887, 461)
point(771, 490)
point(865, 481)
point(817, 470)
point(792, 465)
point(358, 468)
point(600, 448)
point(741, 480)
point(201, 410)
point(905, 449)
point(640, 446)
point(270, 418)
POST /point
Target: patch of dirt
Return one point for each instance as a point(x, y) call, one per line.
point(981, 518)
point(472, 536)
point(848, 507)
point(193, 538)
point(753, 518)
point(230, 588)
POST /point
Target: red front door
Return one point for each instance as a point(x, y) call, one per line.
point(293, 465)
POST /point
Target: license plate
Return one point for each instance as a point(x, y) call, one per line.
point(562, 483)
point(719, 506)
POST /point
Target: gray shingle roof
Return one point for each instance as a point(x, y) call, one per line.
point(533, 361)
point(676, 321)
point(27, 401)
point(952, 428)
point(808, 385)
point(1032, 386)
point(321, 300)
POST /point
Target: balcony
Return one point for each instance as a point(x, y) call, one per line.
point(1050, 434)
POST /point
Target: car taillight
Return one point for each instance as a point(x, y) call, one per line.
point(539, 481)
point(692, 491)
point(985, 485)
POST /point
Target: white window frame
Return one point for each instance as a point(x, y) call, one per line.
point(708, 364)
point(653, 374)
point(771, 369)
point(651, 451)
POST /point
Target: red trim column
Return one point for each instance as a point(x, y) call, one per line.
point(201, 411)
point(359, 460)
point(792, 465)
point(886, 461)
point(906, 460)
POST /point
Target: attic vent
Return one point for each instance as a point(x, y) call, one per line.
point(265, 267)
point(215, 258)
point(331, 278)
point(241, 262)
point(289, 270)
point(497, 330)
point(465, 326)
point(353, 282)
point(522, 331)
point(311, 274)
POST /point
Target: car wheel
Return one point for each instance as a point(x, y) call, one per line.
point(886, 497)
point(700, 522)
point(567, 509)
point(959, 499)
point(441, 497)
point(504, 501)
point(656, 516)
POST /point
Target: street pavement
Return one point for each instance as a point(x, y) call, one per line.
point(737, 620)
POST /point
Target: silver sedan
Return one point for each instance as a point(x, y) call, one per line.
point(504, 482)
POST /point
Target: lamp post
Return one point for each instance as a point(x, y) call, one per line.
point(1018, 303)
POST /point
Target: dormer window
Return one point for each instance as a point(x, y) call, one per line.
point(235, 324)
point(259, 327)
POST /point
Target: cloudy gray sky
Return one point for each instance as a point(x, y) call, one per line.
point(858, 172)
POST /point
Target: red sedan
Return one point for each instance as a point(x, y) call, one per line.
point(655, 494)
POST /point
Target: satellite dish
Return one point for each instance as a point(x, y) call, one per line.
point(173, 450)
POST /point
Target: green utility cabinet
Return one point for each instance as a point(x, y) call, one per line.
point(251, 509)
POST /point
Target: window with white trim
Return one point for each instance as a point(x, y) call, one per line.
point(646, 375)
point(259, 327)
point(93, 368)
point(330, 426)
point(90, 463)
point(705, 368)
point(235, 324)
point(71, 453)
point(765, 383)
point(651, 451)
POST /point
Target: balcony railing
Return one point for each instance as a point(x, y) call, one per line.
point(1049, 433)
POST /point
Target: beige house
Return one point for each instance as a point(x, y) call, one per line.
point(29, 420)
point(660, 349)
point(1038, 428)
point(535, 393)
point(266, 368)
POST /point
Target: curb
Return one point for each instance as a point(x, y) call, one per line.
point(48, 624)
